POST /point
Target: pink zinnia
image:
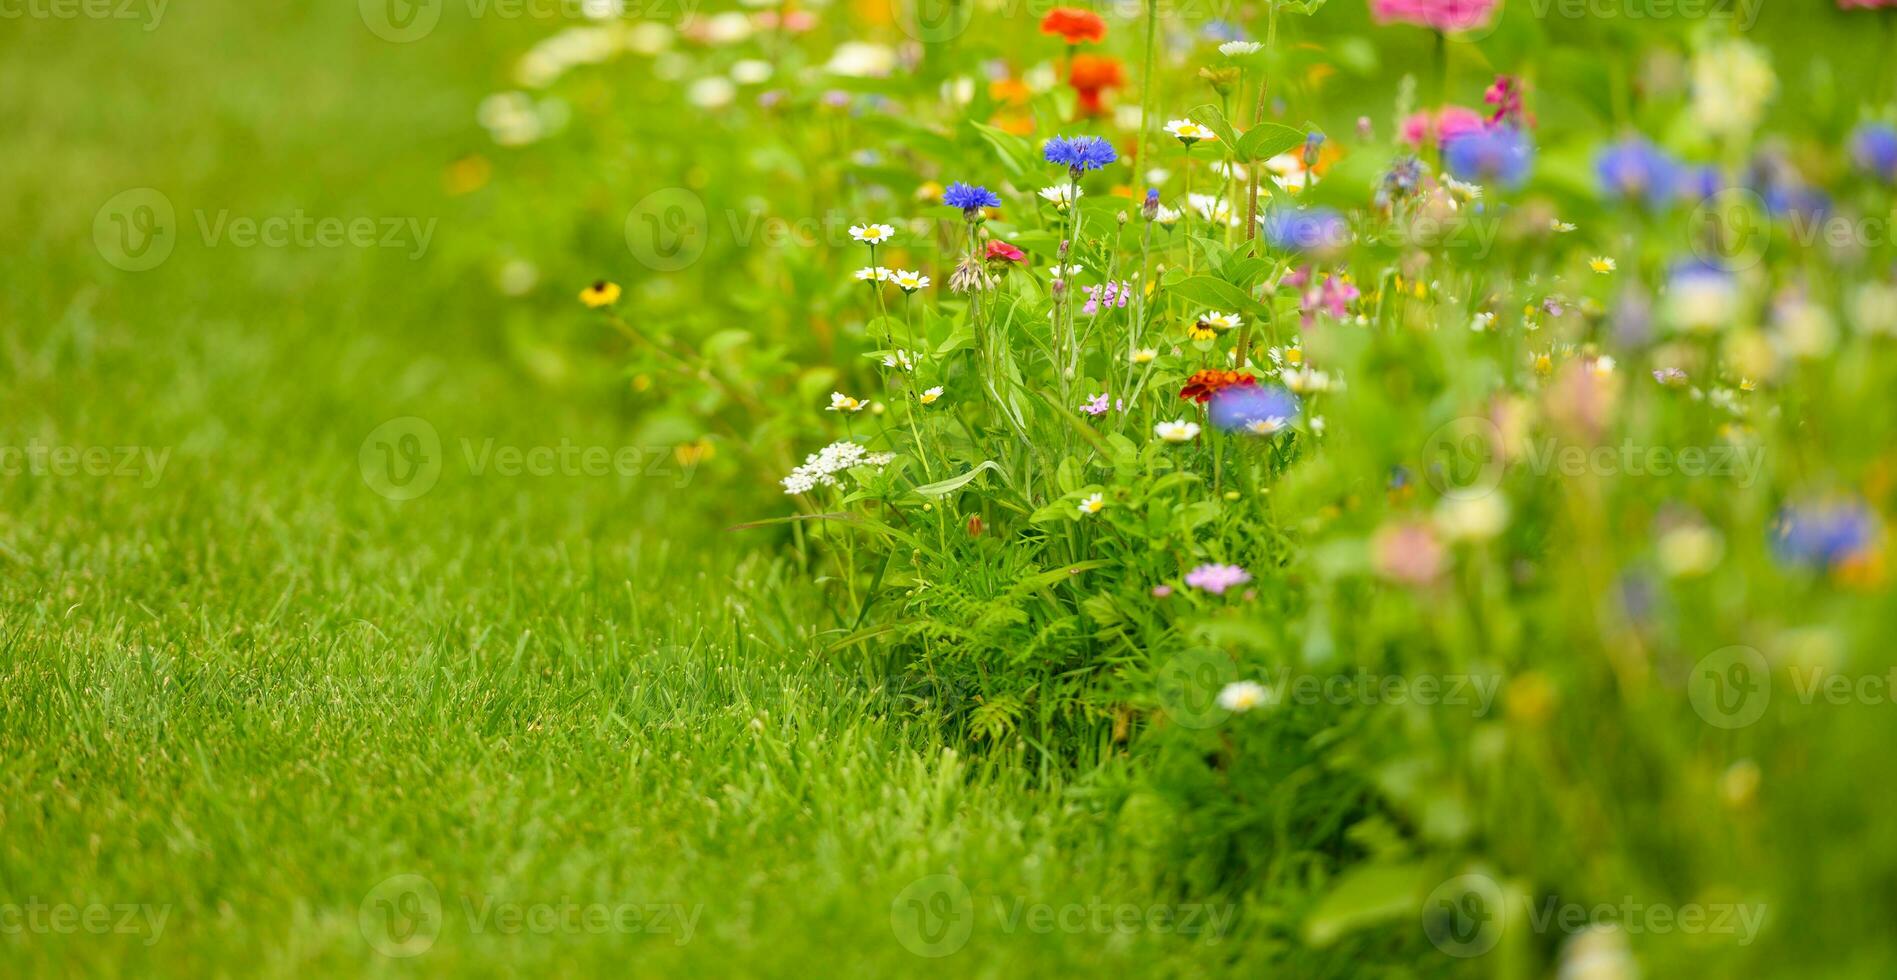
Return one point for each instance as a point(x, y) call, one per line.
point(1425, 127)
point(1441, 15)
point(1000, 251)
point(1217, 578)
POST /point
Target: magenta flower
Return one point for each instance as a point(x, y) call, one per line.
point(1425, 127)
point(1440, 15)
point(1333, 297)
point(1217, 578)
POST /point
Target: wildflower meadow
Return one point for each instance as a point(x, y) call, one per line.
point(1311, 488)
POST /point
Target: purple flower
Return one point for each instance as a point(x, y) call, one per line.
point(1161, 591)
point(1313, 230)
point(1108, 295)
point(1217, 578)
point(1874, 150)
point(1259, 409)
point(1079, 154)
point(1097, 405)
point(1498, 154)
point(1826, 534)
point(969, 199)
point(1635, 169)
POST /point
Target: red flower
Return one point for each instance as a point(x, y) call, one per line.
point(1090, 75)
point(1075, 25)
point(1204, 384)
point(1000, 251)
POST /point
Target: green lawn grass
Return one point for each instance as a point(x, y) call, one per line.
point(244, 692)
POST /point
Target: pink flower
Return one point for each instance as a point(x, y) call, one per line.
point(1217, 578)
point(1441, 15)
point(1333, 297)
point(1425, 127)
point(1865, 4)
point(1407, 553)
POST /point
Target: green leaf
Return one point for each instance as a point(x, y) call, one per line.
point(1267, 140)
point(1212, 118)
point(1363, 896)
point(1017, 157)
point(1219, 295)
point(954, 483)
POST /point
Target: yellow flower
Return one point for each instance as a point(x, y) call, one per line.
point(601, 293)
point(1602, 264)
point(1144, 355)
point(840, 402)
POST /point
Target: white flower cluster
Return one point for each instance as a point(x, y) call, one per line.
point(820, 468)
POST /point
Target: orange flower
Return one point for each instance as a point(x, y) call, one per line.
point(1074, 24)
point(1204, 384)
point(1091, 75)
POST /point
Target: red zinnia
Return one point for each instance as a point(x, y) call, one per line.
point(1074, 24)
point(1204, 384)
point(1000, 251)
point(1090, 75)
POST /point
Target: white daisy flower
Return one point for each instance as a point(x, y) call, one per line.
point(899, 359)
point(1093, 505)
point(1242, 696)
point(1144, 355)
point(929, 397)
point(840, 402)
point(1188, 132)
point(1062, 196)
point(872, 234)
point(872, 273)
point(1214, 209)
point(909, 281)
point(1239, 49)
point(1178, 430)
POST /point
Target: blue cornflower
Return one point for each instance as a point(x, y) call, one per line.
point(1696, 183)
point(1635, 169)
point(1492, 154)
point(1874, 149)
point(1311, 230)
point(1080, 154)
point(969, 199)
point(1257, 409)
point(1824, 535)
